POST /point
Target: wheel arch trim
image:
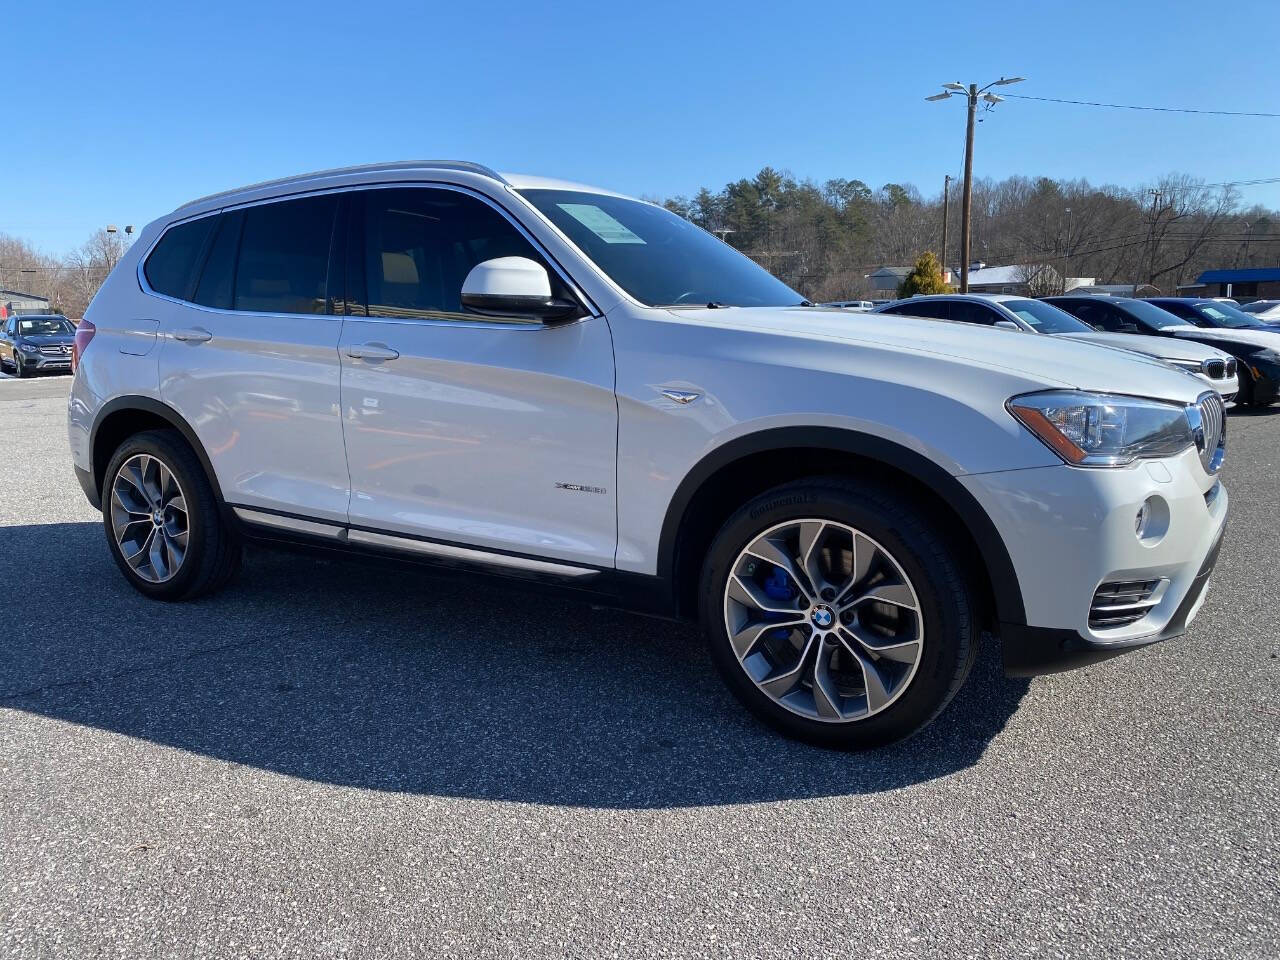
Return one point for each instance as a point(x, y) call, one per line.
point(159, 409)
point(990, 544)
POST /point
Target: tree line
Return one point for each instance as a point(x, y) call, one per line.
point(68, 282)
point(823, 239)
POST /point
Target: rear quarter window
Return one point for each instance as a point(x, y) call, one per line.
point(170, 269)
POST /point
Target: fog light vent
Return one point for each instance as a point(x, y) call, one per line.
point(1121, 602)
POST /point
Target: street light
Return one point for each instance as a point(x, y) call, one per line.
point(971, 95)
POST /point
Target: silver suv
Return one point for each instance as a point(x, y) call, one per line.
point(560, 384)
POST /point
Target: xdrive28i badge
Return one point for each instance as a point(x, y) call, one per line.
point(579, 488)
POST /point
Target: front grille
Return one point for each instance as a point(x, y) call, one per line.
point(1119, 603)
point(1230, 370)
point(57, 350)
point(1210, 431)
point(1214, 369)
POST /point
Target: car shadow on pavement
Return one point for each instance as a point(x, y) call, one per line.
point(345, 672)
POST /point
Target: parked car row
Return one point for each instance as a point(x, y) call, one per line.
point(1037, 316)
point(1232, 350)
point(545, 381)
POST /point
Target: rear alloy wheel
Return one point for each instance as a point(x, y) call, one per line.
point(162, 520)
point(149, 518)
point(836, 614)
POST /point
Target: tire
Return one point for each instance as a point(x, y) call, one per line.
point(1247, 395)
point(19, 370)
point(1244, 392)
point(931, 620)
point(210, 552)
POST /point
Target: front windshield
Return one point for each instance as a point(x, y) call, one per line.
point(657, 257)
point(1152, 315)
point(43, 326)
point(1045, 317)
point(1225, 315)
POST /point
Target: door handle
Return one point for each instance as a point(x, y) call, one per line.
point(371, 351)
point(193, 335)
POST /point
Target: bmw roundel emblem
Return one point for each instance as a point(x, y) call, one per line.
point(822, 617)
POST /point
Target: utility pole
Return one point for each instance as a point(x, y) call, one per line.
point(946, 209)
point(1066, 252)
point(1151, 229)
point(967, 202)
point(971, 94)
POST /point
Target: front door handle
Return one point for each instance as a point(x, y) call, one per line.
point(193, 335)
point(371, 351)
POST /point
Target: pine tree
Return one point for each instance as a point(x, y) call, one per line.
point(925, 277)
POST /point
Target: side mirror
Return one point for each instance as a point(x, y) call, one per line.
point(1007, 325)
point(514, 287)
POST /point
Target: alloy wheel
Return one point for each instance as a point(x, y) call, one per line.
point(824, 620)
point(149, 518)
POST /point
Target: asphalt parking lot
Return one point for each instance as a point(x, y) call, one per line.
point(329, 761)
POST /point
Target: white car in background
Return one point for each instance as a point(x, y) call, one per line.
point(849, 304)
point(1215, 367)
point(1267, 311)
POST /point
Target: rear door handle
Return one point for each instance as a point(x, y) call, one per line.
point(371, 351)
point(193, 335)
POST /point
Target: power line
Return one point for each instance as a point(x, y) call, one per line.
point(1243, 183)
point(1129, 106)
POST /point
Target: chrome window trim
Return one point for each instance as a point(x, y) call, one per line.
point(488, 322)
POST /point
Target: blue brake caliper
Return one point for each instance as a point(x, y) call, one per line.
point(778, 587)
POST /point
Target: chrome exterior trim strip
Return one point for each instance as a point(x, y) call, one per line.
point(294, 524)
point(467, 554)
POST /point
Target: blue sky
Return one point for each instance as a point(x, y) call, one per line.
point(116, 113)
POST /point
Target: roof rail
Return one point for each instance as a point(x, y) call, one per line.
point(464, 166)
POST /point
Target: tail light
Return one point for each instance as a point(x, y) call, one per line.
point(84, 333)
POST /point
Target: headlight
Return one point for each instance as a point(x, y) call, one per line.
point(28, 348)
point(1103, 430)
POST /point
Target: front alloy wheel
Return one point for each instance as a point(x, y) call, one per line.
point(823, 620)
point(836, 611)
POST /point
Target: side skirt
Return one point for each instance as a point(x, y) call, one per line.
point(637, 593)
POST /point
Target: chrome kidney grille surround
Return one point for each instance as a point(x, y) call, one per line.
point(1208, 419)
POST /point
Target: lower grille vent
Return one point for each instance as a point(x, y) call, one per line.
point(1119, 603)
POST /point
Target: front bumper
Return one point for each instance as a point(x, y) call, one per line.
point(1069, 530)
point(40, 361)
point(1031, 651)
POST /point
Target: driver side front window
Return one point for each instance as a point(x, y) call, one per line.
point(419, 244)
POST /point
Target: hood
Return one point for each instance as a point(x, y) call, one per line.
point(1049, 362)
point(1252, 338)
point(1165, 347)
point(43, 339)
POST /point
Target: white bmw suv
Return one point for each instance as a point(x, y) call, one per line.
point(540, 380)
